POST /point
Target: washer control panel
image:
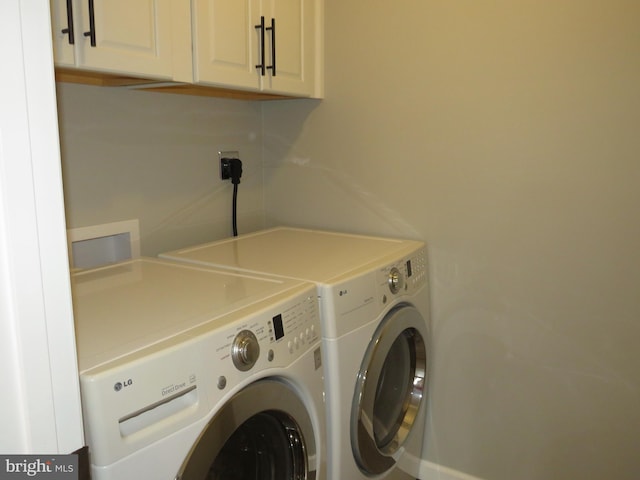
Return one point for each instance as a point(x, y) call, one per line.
point(272, 338)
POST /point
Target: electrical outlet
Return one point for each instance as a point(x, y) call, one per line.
point(225, 164)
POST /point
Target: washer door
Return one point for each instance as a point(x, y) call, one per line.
point(390, 389)
point(263, 432)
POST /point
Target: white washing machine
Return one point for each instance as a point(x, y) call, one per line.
point(192, 373)
point(374, 309)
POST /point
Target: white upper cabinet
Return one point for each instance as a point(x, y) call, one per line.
point(263, 46)
point(64, 33)
point(294, 52)
point(143, 37)
point(269, 45)
point(223, 36)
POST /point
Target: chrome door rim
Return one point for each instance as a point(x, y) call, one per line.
point(405, 321)
point(261, 396)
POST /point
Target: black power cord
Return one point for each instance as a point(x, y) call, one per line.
point(234, 213)
point(231, 168)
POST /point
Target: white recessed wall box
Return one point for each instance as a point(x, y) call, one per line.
point(97, 245)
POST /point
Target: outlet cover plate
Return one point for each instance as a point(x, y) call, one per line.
point(225, 167)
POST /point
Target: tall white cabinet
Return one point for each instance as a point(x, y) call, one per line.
point(40, 403)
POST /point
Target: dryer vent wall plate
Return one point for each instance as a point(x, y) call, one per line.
point(98, 245)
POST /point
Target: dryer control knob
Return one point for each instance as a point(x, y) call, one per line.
point(395, 280)
point(245, 350)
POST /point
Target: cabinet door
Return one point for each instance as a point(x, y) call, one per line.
point(130, 37)
point(295, 46)
point(63, 49)
point(225, 43)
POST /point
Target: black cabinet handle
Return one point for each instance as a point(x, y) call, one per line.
point(261, 66)
point(273, 47)
point(69, 30)
point(92, 25)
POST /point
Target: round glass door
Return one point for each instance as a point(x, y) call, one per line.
point(264, 432)
point(390, 389)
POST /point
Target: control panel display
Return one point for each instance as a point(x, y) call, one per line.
point(278, 328)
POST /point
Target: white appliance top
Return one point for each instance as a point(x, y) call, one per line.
point(123, 308)
point(312, 255)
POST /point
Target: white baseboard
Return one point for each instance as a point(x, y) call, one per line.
point(433, 471)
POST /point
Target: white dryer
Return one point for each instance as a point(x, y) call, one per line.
point(191, 373)
point(374, 308)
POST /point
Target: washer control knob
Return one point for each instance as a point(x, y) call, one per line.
point(395, 280)
point(245, 350)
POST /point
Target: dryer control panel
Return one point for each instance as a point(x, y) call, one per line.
point(404, 276)
point(357, 300)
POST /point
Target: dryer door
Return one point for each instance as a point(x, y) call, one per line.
point(263, 432)
point(390, 389)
